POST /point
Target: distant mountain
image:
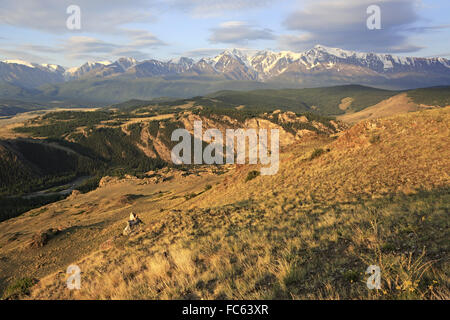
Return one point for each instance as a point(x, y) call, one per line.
point(184, 77)
point(234, 65)
point(86, 69)
point(182, 64)
point(29, 75)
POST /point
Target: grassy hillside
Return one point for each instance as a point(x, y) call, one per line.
point(274, 250)
point(435, 96)
point(12, 107)
point(69, 144)
point(322, 100)
point(378, 194)
point(127, 94)
point(398, 104)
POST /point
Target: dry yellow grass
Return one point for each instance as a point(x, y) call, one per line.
point(397, 104)
point(374, 158)
point(346, 103)
point(147, 119)
point(7, 125)
point(255, 251)
point(88, 221)
point(378, 196)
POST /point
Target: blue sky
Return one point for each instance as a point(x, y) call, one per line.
point(35, 30)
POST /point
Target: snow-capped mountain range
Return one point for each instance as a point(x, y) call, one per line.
point(311, 67)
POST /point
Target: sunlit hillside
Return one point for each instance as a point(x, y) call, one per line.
point(375, 194)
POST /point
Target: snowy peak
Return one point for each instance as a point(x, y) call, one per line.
point(374, 61)
point(182, 61)
point(29, 75)
point(87, 67)
point(235, 65)
point(100, 68)
point(321, 50)
point(241, 56)
point(244, 64)
point(319, 65)
point(126, 63)
point(45, 67)
point(19, 62)
point(54, 68)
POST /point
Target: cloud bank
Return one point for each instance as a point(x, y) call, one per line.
point(239, 32)
point(342, 23)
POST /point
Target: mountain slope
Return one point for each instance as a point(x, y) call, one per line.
point(326, 100)
point(378, 196)
point(114, 90)
point(400, 103)
point(320, 100)
point(59, 147)
point(29, 75)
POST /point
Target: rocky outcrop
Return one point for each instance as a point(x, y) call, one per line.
point(132, 224)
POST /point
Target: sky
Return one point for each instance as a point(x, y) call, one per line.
point(36, 30)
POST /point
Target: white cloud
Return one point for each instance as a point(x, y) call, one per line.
point(143, 39)
point(99, 16)
point(201, 52)
point(82, 47)
point(342, 23)
point(239, 32)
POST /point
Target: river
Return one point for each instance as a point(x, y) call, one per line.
point(67, 189)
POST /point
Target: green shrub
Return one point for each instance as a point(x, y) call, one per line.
point(89, 185)
point(19, 288)
point(374, 139)
point(316, 153)
point(252, 175)
point(352, 276)
point(189, 196)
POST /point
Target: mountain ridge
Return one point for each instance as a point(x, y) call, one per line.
point(335, 65)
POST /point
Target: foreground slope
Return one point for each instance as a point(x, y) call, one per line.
point(42, 232)
point(376, 195)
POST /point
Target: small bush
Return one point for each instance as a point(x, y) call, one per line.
point(387, 247)
point(352, 276)
point(252, 175)
point(19, 288)
point(189, 196)
point(316, 153)
point(207, 187)
point(374, 139)
point(39, 240)
point(89, 185)
point(129, 198)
